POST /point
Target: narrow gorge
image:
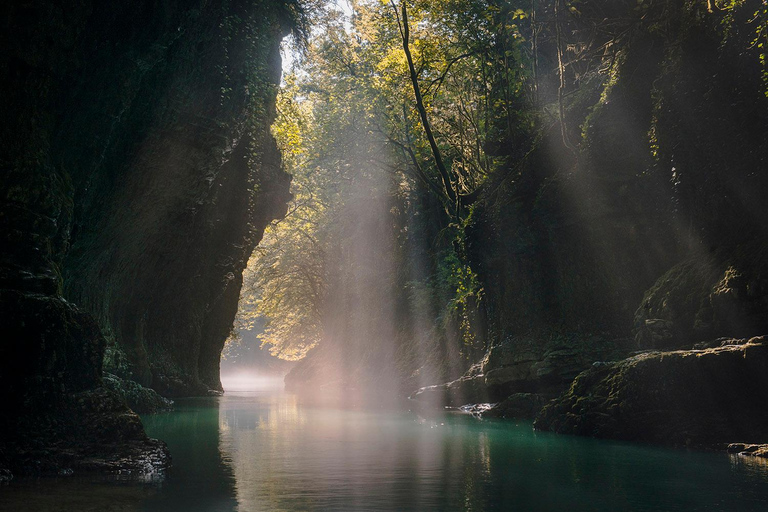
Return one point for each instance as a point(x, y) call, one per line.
point(546, 211)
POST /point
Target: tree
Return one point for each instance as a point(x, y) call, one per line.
point(392, 110)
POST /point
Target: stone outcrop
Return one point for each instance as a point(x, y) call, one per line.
point(749, 450)
point(707, 397)
point(540, 363)
point(91, 430)
point(528, 365)
point(140, 399)
point(706, 297)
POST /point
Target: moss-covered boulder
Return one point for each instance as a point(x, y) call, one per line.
point(690, 397)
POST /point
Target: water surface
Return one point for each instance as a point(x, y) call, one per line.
point(264, 451)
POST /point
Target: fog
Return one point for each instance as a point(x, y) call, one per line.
point(250, 380)
point(246, 366)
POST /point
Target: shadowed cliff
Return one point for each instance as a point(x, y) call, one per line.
point(138, 173)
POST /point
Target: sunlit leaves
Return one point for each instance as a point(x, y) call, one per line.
point(347, 122)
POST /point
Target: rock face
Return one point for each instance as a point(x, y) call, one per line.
point(690, 397)
point(647, 233)
point(518, 406)
point(706, 297)
point(93, 430)
point(539, 363)
point(664, 177)
point(138, 175)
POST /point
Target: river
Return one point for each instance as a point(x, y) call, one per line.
point(266, 451)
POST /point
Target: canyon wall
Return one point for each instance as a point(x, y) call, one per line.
point(138, 174)
point(634, 218)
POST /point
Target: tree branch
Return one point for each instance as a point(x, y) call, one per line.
point(444, 175)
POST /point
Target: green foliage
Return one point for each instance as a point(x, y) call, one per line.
point(760, 21)
point(285, 281)
point(365, 181)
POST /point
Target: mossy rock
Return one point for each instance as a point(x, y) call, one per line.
point(724, 294)
point(140, 399)
point(689, 397)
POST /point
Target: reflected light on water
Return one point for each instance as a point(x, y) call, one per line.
point(257, 451)
point(756, 467)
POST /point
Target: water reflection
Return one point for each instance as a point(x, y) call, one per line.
point(264, 451)
point(749, 466)
point(74, 494)
point(291, 456)
point(201, 477)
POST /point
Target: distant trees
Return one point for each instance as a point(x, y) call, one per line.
point(406, 107)
point(402, 115)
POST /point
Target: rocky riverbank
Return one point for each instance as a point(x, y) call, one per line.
point(89, 431)
point(705, 397)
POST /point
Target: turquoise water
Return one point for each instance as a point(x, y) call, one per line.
point(264, 451)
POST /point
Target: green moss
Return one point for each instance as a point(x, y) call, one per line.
point(669, 397)
point(140, 399)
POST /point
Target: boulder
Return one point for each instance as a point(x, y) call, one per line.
point(705, 397)
point(541, 363)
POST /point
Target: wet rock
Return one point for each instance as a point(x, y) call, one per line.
point(477, 410)
point(690, 397)
point(749, 450)
point(518, 406)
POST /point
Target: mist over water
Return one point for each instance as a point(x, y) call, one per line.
point(245, 380)
point(252, 451)
point(247, 366)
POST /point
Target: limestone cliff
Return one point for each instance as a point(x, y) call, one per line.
point(658, 171)
point(138, 173)
point(631, 220)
